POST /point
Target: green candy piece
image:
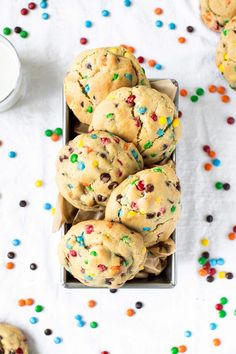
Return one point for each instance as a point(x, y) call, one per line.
point(115, 77)
point(173, 208)
point(202, 260)
point(48, 132)
point(58, 131)
point(174, 350)
point(6, 31)
point(148, 145)
point(234, 312)
point(93, 324)
point(223, 300)
point(38, 308)
point(157, 169)
point(93, 253)
point(219, 185)
point(109, 115)
point(125, 239)
point(89, 188)
point(134, 182)
point(200, 91)
point(90, 109)
point(194, 98)
point(24, 34)
point(74, 158)
point(142, 82)
point(222, 314)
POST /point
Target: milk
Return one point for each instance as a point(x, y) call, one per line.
point(10, 75)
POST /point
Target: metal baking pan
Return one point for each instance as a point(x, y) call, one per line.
point(167, 278)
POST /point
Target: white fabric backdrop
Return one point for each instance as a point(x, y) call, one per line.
point(46, 55)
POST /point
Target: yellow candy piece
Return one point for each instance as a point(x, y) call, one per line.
point(128, 55)
point(221, 68)
point(131, 214)
point(158, 200)
point(176, 122)
point(111, 97)
point(113, 50)
point(142, 212)
point(95, 163)
point(226, 57)
point(53, 211)
point(38, 183)
point(205, 242)
point(162, 120)
point(141, 268)
point(80, 143)
point(221, 275)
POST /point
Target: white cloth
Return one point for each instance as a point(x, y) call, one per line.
point(46, 55)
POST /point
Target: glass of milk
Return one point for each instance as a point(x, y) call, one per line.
point(10, 75)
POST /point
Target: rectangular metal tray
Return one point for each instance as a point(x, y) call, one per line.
point(167, 278)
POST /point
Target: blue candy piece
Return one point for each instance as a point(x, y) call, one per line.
point(93, 136)
point(81, 323)
point(86, 88)
point(70, 186)
point(160, 132)
point(88, 24)
point(216, 162)
point(188, 334)
point(81, 165)
point(172, 26)
point(88, 277)
point(68, 246)
point(15, 242)
point(33, 320)
point(128, 76)
point(105, 13)
point(127, 3)
point(80, 240)
point(57, 340)
point(12, 154)
point(142, 110)
point(213, 262)
point(213, 326)
point(220, 261)
point(134, 154)
point(146, 228)
point(120, 213)
point(78, 317)
point(159, 23)
point(168, 120)
point(43, 5)
point(45, 16)
point(158, 66)
point(47, 206)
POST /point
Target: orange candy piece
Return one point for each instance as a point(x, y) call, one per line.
point(216, 342)
point(152, 63)
point(211, 154)
point(207, 166)
point(183, 92)
point(10, 265)
point(231, 236)
point(91, 303)
point(221, 90)
point(29, 302)
point(21, 302)
point(202, 272)
point(158, 11)
point(182, 348)
point(181, 40)
point(212, 88)
point(130, 312)
point(225, 99)
point(54, 137)
point(131, 49)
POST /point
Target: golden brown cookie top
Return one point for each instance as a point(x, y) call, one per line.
point(216, 13)
point(12, 340)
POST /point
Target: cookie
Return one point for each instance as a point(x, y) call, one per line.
point(95, 73)
point(147, 202)
point(141, 115)
point(12, 340)
point(216, 13)
point(226, 53)
point(102, 254)
point(90, 166)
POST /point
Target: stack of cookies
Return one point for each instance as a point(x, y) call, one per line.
point(221, 16)
point(120, 167)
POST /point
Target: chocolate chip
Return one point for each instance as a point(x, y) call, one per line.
point(168, 183)
point(150, 215)
point(190, 29)
point(139, 305)
point(48, 332)
point(2, 351)
point(82, 104)
point(60, 158)
point(226, 186)
point(70, 149)
point(104, 156)
point(164, 146)
point(229, 275)
point(209, 218)
point(101, 198)
point(113, 291)
point(177, 186)
point(105, 177)
point(108, 281)
point(149, 188)
point(112, 185)
point(23, 203)
point(89, 66)
point(33, 266)
point(11, 255)
point(158, 214)
point(116, 105)
point(118, 198)
point(205, 254)
point(210, 278)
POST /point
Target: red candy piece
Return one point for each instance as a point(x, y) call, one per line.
point(24, 11)
point(102, 267)
point(73, 253)
point(32, 5)
point(119, 173)
point(218, 307)
point(19, 351)
point(130, 99)
point(140, 59)
point(154, 116)
point(206, 266)
point(134, 205)
point(104, 352)
point(230, 120)
point(206, 148)
point(117, 140)
point(137, 122)
point(211, 271)
point(140, 186)
point(234, 228)
point(105, 141)
point(83, 40)
point(89, 229)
